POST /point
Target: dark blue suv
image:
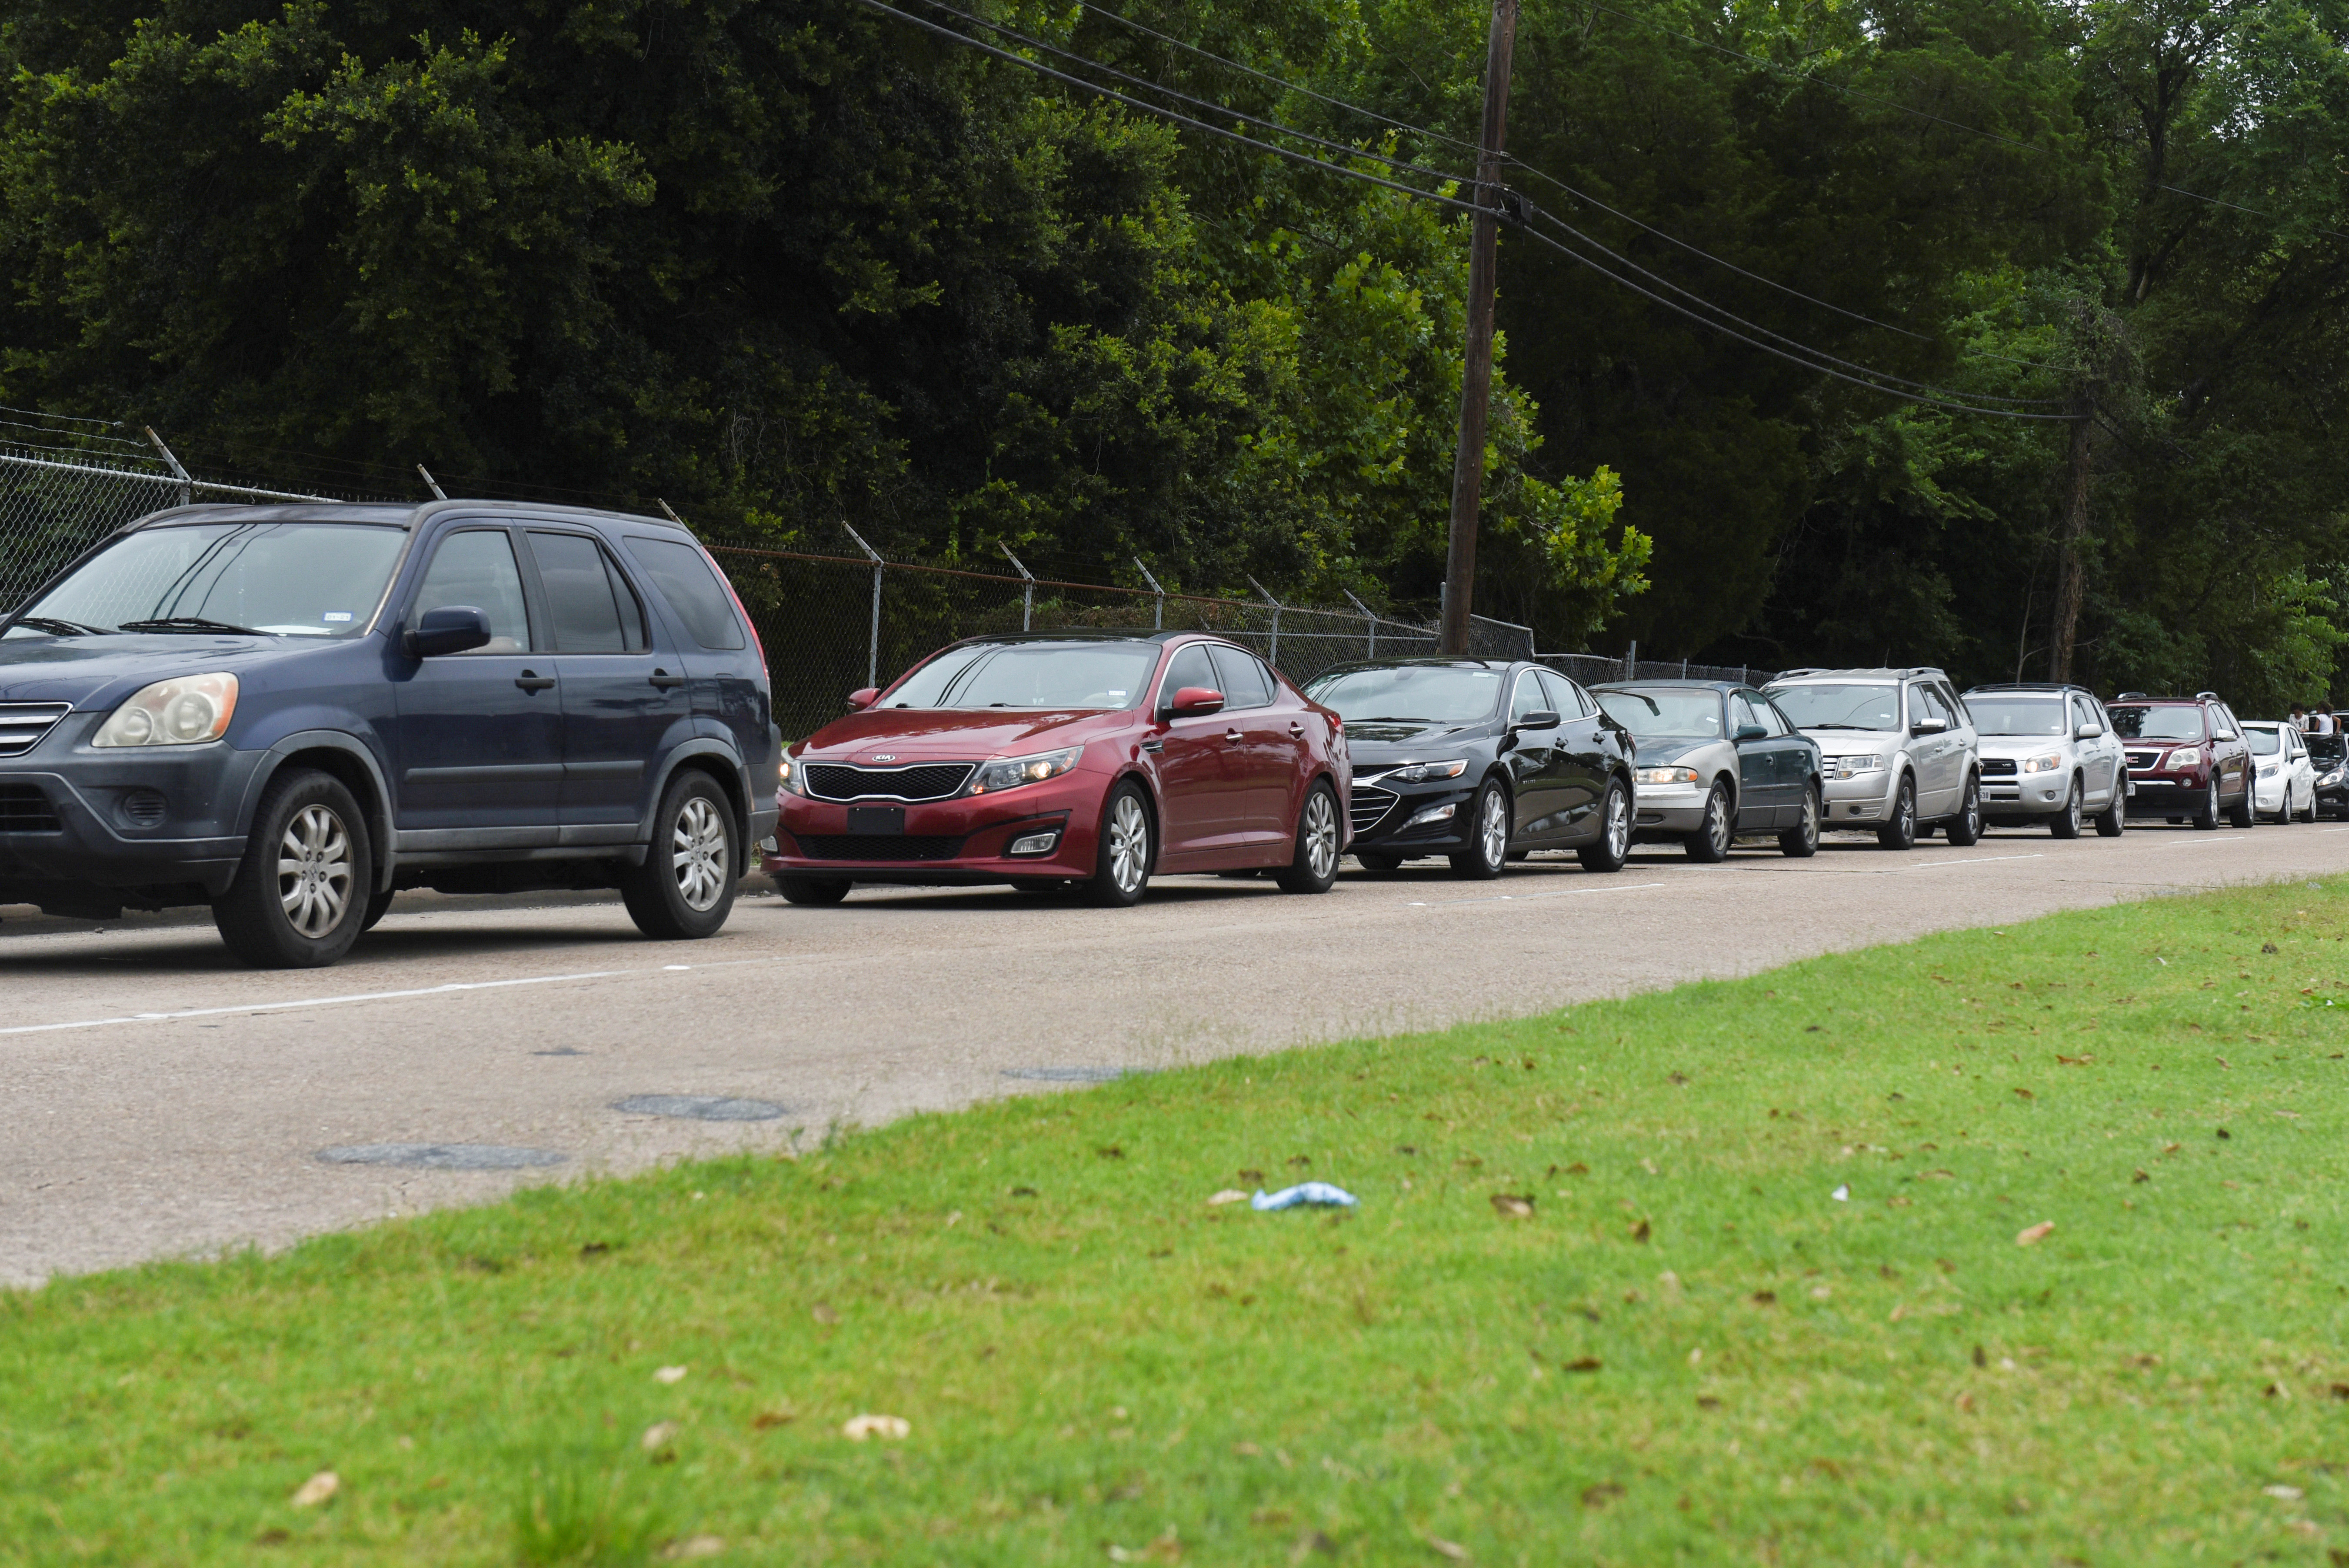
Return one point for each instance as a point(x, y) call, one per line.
point(290, 712)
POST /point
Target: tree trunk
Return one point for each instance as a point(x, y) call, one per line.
point(2071, 568)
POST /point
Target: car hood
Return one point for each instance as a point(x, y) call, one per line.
point(2021, 745)
point(1851, 742)
point(98, 672)
point(1660, 749)
point(910, 733)
point(1382, 737)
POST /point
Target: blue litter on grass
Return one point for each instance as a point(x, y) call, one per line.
point(1319, 1193)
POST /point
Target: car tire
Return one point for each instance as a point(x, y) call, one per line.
point(1126, 852)
point(1900, 832)
point(378, 905)
point(1709, 845)
point(685, 889)
point(2065, 823)
point(2205, 818)
point(1612, 847)
point(2245, 812)
point(300, 898)
point(1373, 861)
point(1487, 853)
point(1314, 867)
point(1965, 829)
point(813, 891)
point(1801, 841)
point(2113, 821)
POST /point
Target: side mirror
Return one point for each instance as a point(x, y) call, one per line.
point(2089, 731)
point(1540, 719)
point(1193, 701)
point(861, 698)
point(1927, 727)
point(447, 629)
point(1751, 732)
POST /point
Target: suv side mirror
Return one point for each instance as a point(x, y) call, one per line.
point(1751, 732)
point(861, 698)
point(447, 629)
point(1927, 727)
point(1540, 718)
point(2088, 730)
point(1192, 702)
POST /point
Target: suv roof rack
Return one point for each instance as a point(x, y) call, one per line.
point(2207, 697)
point(2131, 697)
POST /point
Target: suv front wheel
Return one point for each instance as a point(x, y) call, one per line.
point(300, 897)
point(685, 889)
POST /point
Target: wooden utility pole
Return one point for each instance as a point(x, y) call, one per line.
point(2071, 544)
point(1477, 366)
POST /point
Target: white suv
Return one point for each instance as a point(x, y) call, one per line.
point(2049, 756)
point(1897, 750)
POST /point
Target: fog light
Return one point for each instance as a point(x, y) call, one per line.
point(1431, 814)
point(1035, 844)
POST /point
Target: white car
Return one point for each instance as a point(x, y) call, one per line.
point(2285, 789)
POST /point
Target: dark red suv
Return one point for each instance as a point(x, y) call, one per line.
point(1052, 761)
point(2187, 760)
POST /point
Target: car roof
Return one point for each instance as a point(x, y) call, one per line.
point(1433, 661)
point(2048, 688)
point(1673, 683)
point(1881, 672)
point(394, 514)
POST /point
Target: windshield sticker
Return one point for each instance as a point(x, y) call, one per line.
point(336, 615)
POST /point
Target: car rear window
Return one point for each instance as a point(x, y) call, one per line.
point(693, 589)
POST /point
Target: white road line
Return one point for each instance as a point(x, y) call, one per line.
point(1972, 861)
point(450, 989)
point(1527, 897)
point(2205, 844)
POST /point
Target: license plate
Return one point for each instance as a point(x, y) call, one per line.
point(2132, 789)
point(888, 820)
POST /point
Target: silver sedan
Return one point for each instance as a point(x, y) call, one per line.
point(1716, 762)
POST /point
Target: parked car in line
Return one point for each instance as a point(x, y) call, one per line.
point(1899, 750)
point(291, 712)
point(2329, 756)
point(1480, 761)
point(2186, 760)
point(1716, 762)
point(1052, 761)
point(2049, 756)
point(2284, 779)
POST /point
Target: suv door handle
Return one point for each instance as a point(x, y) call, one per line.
point(531, 680)
point(666, 681)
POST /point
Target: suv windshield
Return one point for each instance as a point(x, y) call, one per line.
point(1030, 674)
point(2182, 721)
point(2265, 741)
point(1664, 713)
point(1873, 705)
point(1420, 693)
point(285, 579)
point(2017, 715)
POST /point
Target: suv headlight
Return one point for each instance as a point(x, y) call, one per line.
point(2048, 763)
point(1663, 776)
point(1850, 766)
point(2184, 757)
point(1421, 772)
point(187, 711)
point(1010, 772)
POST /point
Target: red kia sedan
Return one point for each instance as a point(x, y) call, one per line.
point(1086, 759)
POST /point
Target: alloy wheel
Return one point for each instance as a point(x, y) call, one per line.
point(1618, 824)
point(1129, 844)
point(1320, 834)
point(1492, 828)
point(700, 854)
point(314, 871)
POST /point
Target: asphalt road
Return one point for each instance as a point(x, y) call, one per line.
point(160, 1100)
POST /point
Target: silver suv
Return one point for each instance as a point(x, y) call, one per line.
point(2049, 755)
point(1897, 750)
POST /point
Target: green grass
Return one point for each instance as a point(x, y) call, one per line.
point(1689, 1352)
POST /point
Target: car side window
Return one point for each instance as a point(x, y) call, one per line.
point(1766, 714)
point(2223, 723)
point(1954, 705)
point(1742, 714)
point(593, 609)
point(1923, 704)
point(1567, 698)
point(475, 567)
point(693, 589)
point(1190, 668)
point(1242, 681)
point(1529, 697)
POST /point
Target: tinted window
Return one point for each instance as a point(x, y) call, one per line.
point(1529, 697)
point(477, 568)
point(1565, 696)
point(1658, 711)
point(693, 589)
point(1190, 668)
point(592, 611)
point(1244, 682)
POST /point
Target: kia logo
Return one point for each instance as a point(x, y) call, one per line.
point(884, 757)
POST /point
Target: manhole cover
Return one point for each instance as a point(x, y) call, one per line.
point(442, 1156)
point(1068, 1075)
point(700, 1107)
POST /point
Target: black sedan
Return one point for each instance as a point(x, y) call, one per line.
point(1481, 762)
point(1717, 762)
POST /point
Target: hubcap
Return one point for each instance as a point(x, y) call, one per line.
point(1492, 828)
point(699, 853)
point(1320, 835)
point(1618, 824)
point(1129, 844)
point(1716, 820)
point(313, 872)
point(1810, 819)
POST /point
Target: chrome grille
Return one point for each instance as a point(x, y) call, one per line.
point(22, 724)
point(922, 782)
point(23, 808)
point(1998, 767)
point(1370, 807)
point(2143, 758)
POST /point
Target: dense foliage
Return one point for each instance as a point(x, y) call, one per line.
point(792, 263)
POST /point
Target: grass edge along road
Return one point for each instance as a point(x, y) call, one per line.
point(1750, 1270)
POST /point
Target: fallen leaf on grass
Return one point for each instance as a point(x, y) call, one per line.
point(1599, 1496)
point(766, 1420)
point(2283, 1493)
point(1167, 1548)
point(1765, 1298)
point(657, 1436)
point(856, 1428)
point(694, 1546)
point(1315, 1543)
point(669, 1374)
point(1451, 1549)
point(2034, 1234)
point(2025, 1094)
point(1229, 1195)
point(823, 1313)
point(317, 1490)
point(1965, 1401)
point(2140, 1176)
point(1583, 1364)
point(1514, 1205)
point(1641, 1232)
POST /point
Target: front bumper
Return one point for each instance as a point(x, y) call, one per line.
point(1668, 811)
point(87, 831)
point(1412, 818)
point(2025, 795)
point(1863, 800)
point(963, 842)
point(2174, 795)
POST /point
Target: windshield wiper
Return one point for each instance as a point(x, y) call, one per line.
point(58, 628)
point(186, 623)
point(1838, 726)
